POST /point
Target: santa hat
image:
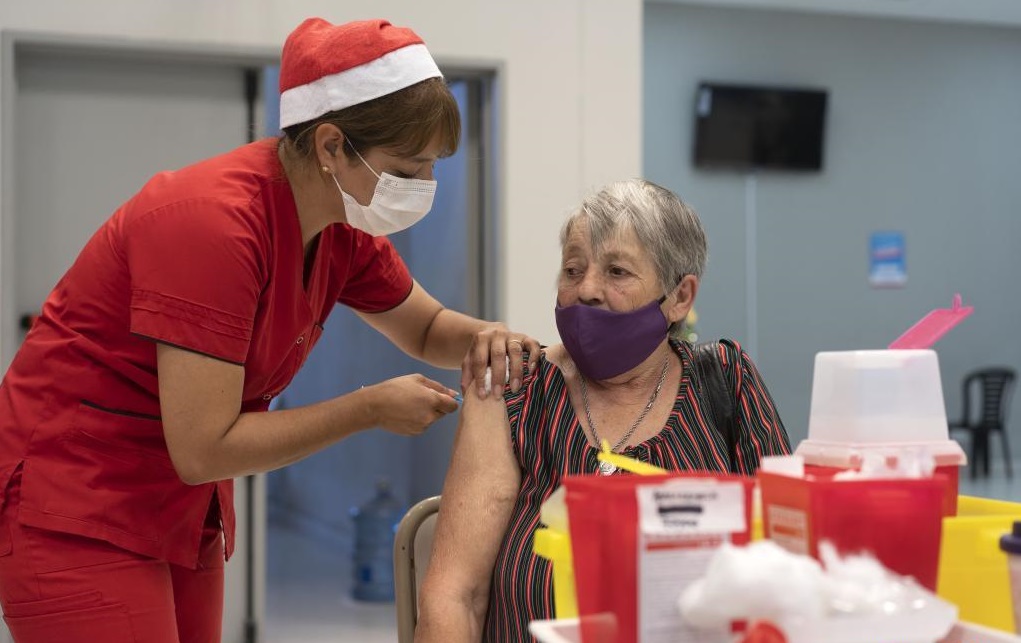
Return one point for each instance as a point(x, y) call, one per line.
point(327, 67)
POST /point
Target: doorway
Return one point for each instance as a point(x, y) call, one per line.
point(310, 533)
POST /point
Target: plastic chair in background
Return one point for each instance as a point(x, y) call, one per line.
point(995, 386)
point(413, 545)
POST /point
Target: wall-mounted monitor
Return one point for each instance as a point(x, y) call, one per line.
point(750, 127)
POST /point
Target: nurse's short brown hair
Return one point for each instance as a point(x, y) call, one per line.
point(402, 123)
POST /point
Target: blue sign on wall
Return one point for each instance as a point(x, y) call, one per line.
point(886, 260)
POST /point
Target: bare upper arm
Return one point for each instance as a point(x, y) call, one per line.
point(478, 498)
point(200, 399)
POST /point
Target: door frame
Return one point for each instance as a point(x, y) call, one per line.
point(483, 232)
point(14, 44)
point(249, 597)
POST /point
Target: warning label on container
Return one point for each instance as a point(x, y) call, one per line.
point(689, 507)
point(788, 528)
point(681, 525)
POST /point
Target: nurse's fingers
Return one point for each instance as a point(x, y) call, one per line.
point(488, 346)
point(446, 400)
point(409, 404)
point(498, 351)
point(516, 346)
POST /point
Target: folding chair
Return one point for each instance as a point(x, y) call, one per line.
point(413, 544)
point(993, 386)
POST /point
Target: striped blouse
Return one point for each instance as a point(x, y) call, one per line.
point(549, 443)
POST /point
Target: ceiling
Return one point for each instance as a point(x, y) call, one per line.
point(990, 12)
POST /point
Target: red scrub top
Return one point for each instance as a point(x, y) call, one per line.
point(209, 259)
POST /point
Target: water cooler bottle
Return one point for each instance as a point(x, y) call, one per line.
point(375, 523)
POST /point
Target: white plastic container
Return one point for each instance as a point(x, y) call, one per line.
point(563, 630)
point(971, 633)
point(566, 631)
point(877, 396)
point(880, 401)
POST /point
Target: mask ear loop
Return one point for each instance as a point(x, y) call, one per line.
point(360, 158)
point(337, 183)
point(328, 170)
point(333, 175)
point(679, 280)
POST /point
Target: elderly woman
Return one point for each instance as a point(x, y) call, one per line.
point(632, 257)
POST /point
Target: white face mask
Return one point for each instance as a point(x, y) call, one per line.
point(397, 203)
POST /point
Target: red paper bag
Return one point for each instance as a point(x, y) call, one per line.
point(606, 541)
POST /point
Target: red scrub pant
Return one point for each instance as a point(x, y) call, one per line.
point(64, 588)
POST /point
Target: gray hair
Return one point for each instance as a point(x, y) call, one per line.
point(668, 228)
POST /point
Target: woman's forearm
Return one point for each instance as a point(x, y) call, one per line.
point(259, 442)
point(449, 620)
point(208, 438)
point(450, 335)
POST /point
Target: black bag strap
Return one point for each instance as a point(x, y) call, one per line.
point(721, 400)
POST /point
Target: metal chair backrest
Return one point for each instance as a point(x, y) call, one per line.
point(995, 387)
point(412, 548)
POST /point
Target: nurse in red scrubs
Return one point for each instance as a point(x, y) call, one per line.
point(139, 392)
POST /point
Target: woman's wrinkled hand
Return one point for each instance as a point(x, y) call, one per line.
point(498, 345)
point(407, 405)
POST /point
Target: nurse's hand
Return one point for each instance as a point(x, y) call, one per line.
point(497, 345)
point(408, 405)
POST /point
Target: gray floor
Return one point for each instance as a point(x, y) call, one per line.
point(309, 583)
point(308, 594)
point(997, 485)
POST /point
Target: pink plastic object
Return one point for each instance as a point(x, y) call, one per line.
point(928, 330)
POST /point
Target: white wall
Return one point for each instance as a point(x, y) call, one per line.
point(571, 90)
point(569, 81)
point(990, 12)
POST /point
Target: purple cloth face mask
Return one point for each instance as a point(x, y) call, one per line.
point(604, 343)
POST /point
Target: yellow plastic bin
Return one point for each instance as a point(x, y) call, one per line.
point(972, 568)
point(555, 546)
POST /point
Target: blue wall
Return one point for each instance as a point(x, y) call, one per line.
point(923, 137)
point(318, 492)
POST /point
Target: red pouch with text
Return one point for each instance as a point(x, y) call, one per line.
point(638, 541)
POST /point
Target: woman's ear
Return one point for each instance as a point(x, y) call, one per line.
point(682, 299)
point(328, 141)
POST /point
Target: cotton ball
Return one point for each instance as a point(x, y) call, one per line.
point(488, 381)
point(761, 580)
point(859, 584)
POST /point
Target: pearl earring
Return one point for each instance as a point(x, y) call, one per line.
point(327, 170)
